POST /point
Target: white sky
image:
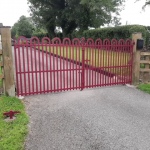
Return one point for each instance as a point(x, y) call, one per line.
point(11, 10)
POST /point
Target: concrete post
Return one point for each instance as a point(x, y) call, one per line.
point(9, 87)
point(136, 59)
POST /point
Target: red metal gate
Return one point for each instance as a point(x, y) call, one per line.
point(55, 66)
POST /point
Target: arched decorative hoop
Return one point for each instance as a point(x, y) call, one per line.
point(22, 40)
point(90, 41)
point(46, 40)
point(114, 42)
point(82, 41)
point(66, 41)
point(106, 42)
point(76, 41)
point(122, 46)
point(98, 42)
point(56, 40)
point(34, 40)
point(121, 42)
point(128, 42)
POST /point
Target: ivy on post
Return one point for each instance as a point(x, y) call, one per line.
point(8, 71)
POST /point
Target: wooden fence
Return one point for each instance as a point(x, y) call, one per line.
point(1, 68)
point(144, 67)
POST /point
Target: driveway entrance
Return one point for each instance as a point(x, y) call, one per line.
point(108, 118)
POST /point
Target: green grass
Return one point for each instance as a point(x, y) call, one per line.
point(142, 65)
point(98, 58)
point(12, 134)
point(144, 87)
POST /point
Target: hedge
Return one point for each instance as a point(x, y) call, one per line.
point(120, 32)
point(40, 35)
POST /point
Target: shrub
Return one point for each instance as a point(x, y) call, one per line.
point(40, 35)
point(120, 32)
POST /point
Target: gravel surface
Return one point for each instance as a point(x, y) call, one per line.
point(107, 118)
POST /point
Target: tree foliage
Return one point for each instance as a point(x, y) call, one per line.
point(23, 27)
point(73, 14)
point(147, 2)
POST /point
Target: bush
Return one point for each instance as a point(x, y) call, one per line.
point(77, 34)
point(120, 32)
point(40, 35)
point(148, 37)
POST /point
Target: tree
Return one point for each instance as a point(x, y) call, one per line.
point(72, 14)
point(147, 2)
point(14, 30)
point(116, 21)
point(22, 27)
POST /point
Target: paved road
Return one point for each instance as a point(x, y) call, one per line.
point(108, 118)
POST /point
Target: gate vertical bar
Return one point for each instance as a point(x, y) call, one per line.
point(28, 68)
point(20, 70)
point(24, 70)
point(83, 68)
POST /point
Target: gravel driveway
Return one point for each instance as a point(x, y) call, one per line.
point(107, 118)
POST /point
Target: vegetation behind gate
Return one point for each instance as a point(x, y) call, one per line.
point(120, 32)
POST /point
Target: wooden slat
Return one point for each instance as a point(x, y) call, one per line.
point(145, 53)
point(1, 76)
point(144, 62)
point(1, 90)
point(1, 52)
point(1, 64)
point(145, 70)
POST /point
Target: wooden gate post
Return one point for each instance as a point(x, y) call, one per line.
point(9, 85)
point(136, 59)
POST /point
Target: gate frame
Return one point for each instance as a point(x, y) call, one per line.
point(83, 84)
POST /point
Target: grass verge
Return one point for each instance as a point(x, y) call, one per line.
point(12, 134)
point(144, 87)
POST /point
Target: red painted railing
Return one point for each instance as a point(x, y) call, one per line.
point(55, 65)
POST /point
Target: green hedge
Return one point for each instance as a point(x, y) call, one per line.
point(120, 32)
point(40, 35)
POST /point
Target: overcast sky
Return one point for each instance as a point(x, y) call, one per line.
point(11, 10)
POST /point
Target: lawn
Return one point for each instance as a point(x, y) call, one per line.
point(98, 57)
point(144, 87)
point(12, 134)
